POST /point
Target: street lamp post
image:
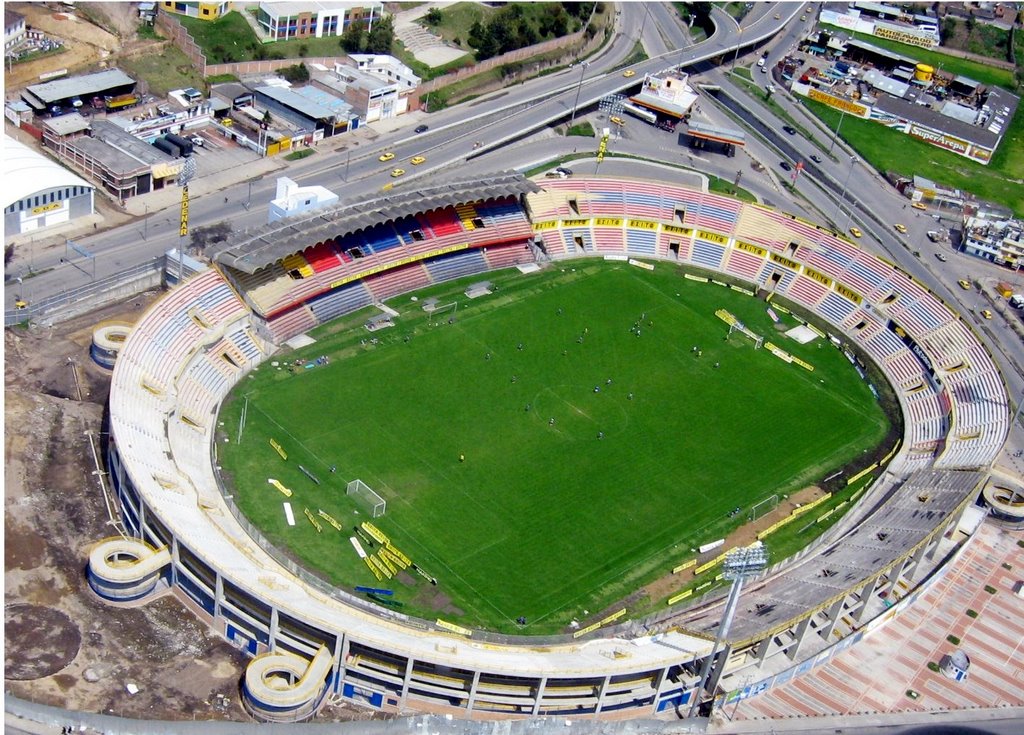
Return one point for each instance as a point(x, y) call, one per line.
point(579, 88)
point(739, 564)
point(835, 133)
point(145, 223)
point(740, 43)
point(842, 196)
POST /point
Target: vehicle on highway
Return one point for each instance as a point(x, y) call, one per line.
point(789, 129)
point(20, 304)
point(421, 128)
point(964, 284)
point(385, 157)
point(986, 313)
point(855, 231)
point(417, 160)
point(941, 256)
point(778, 17)
point(615, 120)
point(816, 158)
point(629, 73)
point(395, 173)
point(918, 205)
point(560, 172)
point(785, 166)
point(900, 228)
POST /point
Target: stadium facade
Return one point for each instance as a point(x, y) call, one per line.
point(311, 643)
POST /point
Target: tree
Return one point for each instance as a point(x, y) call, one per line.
point(210, 234)
point(381, 37)
point(296, 74)
point(434, 17)
point(303, 50)
point(353, 40)
point(8, 254)
point(267, 119)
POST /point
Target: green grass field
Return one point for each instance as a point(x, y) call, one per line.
point(542, 520)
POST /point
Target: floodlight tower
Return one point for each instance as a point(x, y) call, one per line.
point(188, 172)
point(739, 564)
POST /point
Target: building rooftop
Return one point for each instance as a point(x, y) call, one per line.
point(86, 86)
point(120, 150)
point(67, 124)
point(341, 109)
point(1002, 106)
point(27, 171)
point(290, 98)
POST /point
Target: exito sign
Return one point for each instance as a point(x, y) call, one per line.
point(839, 103)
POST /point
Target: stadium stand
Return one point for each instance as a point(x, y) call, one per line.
point(189, 348)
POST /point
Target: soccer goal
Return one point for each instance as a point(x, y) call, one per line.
point(367, 497)
point(765, 506)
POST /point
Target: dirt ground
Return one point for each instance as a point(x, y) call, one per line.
point(86, 44)
point(63, 646)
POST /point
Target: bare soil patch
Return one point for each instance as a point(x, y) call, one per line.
point(63, 646)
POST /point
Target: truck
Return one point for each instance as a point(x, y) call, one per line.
point(184, 144)
point(1017, 301)
point(120, 102)
point(167, 147)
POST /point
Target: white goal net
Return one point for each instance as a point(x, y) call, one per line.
point(367, 497)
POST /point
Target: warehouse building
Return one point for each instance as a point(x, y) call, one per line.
point(40, 193)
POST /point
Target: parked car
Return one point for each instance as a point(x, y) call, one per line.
point(198, 141)
point(615, 120)
point(421, 128)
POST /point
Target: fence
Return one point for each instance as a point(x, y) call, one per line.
point(72, 303)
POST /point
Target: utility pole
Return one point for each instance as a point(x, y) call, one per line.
point(579, 87)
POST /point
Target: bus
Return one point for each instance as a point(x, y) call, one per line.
point(640, 112)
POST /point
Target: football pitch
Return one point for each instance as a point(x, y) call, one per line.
point(550, 450)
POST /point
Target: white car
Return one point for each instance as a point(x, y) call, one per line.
point(197, 140)
point(760, 62)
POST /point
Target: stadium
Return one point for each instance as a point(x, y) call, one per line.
point(311, 641)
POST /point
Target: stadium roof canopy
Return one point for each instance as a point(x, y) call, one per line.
point(28, 172)
point(256, 248)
